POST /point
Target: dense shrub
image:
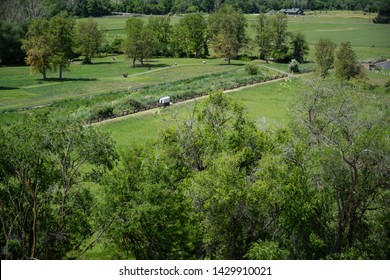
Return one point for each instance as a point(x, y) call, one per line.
point(294, 66)
point(251, 69)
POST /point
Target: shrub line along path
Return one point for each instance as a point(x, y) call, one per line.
point(157, 110)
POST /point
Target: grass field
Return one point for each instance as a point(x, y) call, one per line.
point(266, 104)
point(19, 89)
point(369, 40)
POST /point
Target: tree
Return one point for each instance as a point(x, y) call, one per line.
point(279, 30)
point(346, 66)
point(62, 42)
point(227, 31)
point(263, 35)
point(299, 47)
point(20, 12)
point(194, 28)
point(383, 13)
point(346, 131)
point(139, 42)
point(324, 55)
point(89, 39)
point(45, 208)
point(162, 32)
point(11, 37)
point(37, 45)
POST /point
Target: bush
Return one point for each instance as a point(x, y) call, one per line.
point(294, 66)
point(103, 110)
point(252, 69)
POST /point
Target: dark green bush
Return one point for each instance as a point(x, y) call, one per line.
point(251, 69)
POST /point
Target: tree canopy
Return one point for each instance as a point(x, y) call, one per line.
point(45, 208)
point(227, 31)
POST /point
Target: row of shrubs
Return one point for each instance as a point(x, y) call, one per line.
point(147, 98)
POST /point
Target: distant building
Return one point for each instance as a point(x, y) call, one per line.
point(292, 11)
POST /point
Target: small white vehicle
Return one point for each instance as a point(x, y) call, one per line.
point(164, 101)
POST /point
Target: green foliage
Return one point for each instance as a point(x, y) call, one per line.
point(162, 32)
point(37, 46)
point(191, 35)
point(324, 55)
point(252, 69)
point(11, 37)
point(61, 30)
point(294, 66)
point(267, 250)
point(45, 207)
point(147, 206)
point(139, 42)
point(346, 131)
point(280, 35)
point(383, 16)
point(89, 39)
point(346, 66)
point(299, 47)
point(264, 35)
point(227, 31)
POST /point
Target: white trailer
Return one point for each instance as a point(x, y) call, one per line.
point(164, 101)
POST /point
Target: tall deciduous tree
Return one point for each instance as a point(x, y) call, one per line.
point(89, 39)
point(347, 132)
point(299, 48)
point(346, 66)
point(45, 209)
point(264, 35)
point(324, 55)
point(62, 41)
point(139, 42)
point(37, 45)
point(194, 32)
point(11, 37)
point(227, 31)
point(279, 29)
point(162, 32)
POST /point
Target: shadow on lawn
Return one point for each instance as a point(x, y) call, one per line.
point(8, 88)
point(231, 64)
point(152, 65)
point(67, 80)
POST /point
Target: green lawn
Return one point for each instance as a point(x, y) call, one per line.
point(266, 104)
point(19, 89)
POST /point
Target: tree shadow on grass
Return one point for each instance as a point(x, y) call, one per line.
point(67, 80)
point(232, 64)
point(100, 63)
point(8, 88)
point(148, 65)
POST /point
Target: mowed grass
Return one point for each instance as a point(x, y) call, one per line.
point(18, 88)
point(369, 40)
point(266, 105)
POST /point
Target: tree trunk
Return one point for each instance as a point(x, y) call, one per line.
point(134, 62)
point(60, 71)
point(44, 73)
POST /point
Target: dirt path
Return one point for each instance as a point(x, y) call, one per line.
point(157, 110)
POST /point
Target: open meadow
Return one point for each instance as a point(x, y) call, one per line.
point(19, 88)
